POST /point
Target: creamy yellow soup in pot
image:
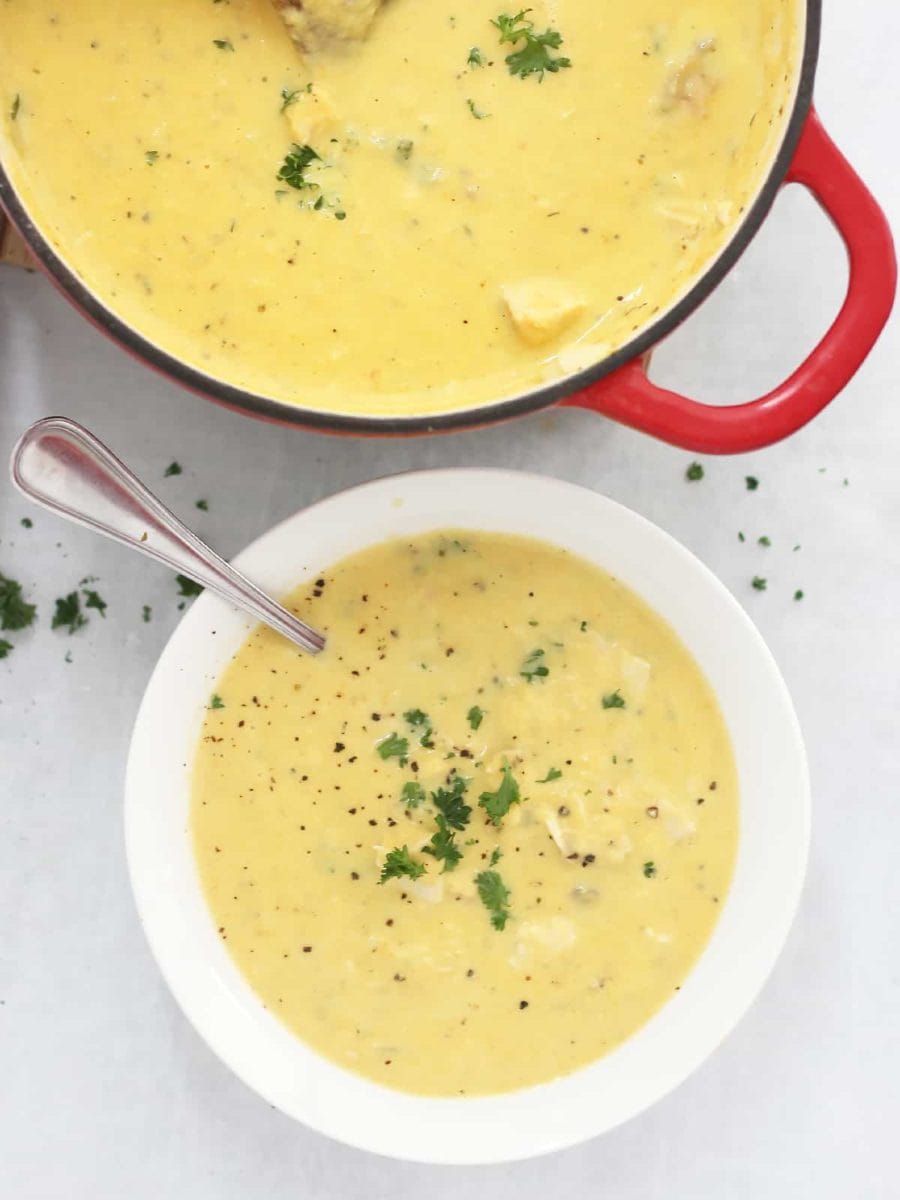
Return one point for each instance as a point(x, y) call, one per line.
point(482, 838)
point(459, 206)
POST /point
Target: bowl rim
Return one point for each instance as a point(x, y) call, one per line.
point(52, 261)
point(720, 987)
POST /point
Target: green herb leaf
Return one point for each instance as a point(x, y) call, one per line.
point(394, 746)
point(203, 505)
point(173, 468)
point(694, 472)
point(496, 855)
point(399, 862)
point(798, 595)
point(216, 701)
point(15, 106)
point(475, 716)
point(294, 165)
point(479, 116)
point(649, 870)
point(759, 584)
point(475, 59)
point(188, 587)
point(533, 56)
point(68, 613)
point(413, 794)
point(150, 157)
point(5, 647)
point(289, 96)
point(494, 895)
point(613, 700)
point(443, 846)
point(404, 149)
point(450, 803)
point(426, 739)
point(497, 804)
point(553, 773)
point(26, 523)
point(415, 717)
point(223, 44)
point(752, 482)
point(93, 599)
point(14, 612)
point(741, 537)
point(533, 667)
point(146, 613)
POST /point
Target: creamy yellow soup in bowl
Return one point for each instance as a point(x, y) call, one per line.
point(501, 866)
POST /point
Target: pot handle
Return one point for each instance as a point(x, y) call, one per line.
point(628, 396)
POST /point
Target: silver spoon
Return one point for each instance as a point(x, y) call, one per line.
point(61, 466)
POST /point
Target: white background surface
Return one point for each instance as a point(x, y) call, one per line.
point(105, 1090)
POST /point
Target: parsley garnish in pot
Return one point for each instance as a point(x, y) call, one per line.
point(533, 56)
point(497, 804)
point(534, 667)
point(14, 612)
point(394, 746)
point(296, 162)
point(443, 846)
point(494, 895)
point(475, 716)
point(68, 614)
point(613, 700)
point(694, 472)
point(413, 794)
point(450, 803)
point(400, 862)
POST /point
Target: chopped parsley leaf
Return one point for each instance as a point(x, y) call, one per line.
point(613, 700)
point(150, 157)
point(289, 97)
point(553, 773)
point(450, 803)
point(174, 468)
point(494, 895)
point(752, 482)
point(14, 612)
point(203, 505)
point(533, 668)
point(5, 647)
point(798, 595)
point(427, 740)
point(294, 165)
point(188, 587)
point(443, 846)
point(496, 855)
point(394, 746)
point(404, 149)
point(533, 56)
point(479, 116)
point(216, 701)
point(764, 541)
point(741, 537)
point(26, 523)
point(649, 870)
point(475, 716)
point(223, 44)
point(93, 599)
point(15, 106)
point(146, 613)
point(399, 862)
point(694, 472)
point(68, 613)
point(759, 584)
point(475, 59)
point(497, 804)
point(415, 717)
point(413, 794)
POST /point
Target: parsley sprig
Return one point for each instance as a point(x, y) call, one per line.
point(533, 56)
point(399, 862)
point(494, 895)
point(497, 804)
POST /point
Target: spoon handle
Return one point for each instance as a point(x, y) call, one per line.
point(60, 465)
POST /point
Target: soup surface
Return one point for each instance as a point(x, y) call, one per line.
point(482, 838)
point(466, 204)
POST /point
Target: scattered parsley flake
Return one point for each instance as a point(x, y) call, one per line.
point(752, 482)
point(694, 472)
point(146, 613)
point(798, 595)
point(93, 599)
point(443, 846)
point(475, 716)
point(533, 57)
point(216, 701)
point(14, 612)
point(413, 794)
point(583, 626)
point(404, 149)
point(427, 739)
point(174, 468)
point(494, 895)
point(289, 96)
point(295, 164)
point(741, 537)
point(26, 523)
point(496, 855)
point(188, 587)
point(399, 862)
point(5, 647)
point(150, 157)
point(415, 717)
point(203, 505)
point(475, 59)
point(68, 614)
point(764, 541)
point(223, 44)
point(553, 773)
point(497, 804)
point(759, 584)
point(479, 116)
point(613, 700)
point(394, 746)
point(15, 106)
point(533, 668)
point(649, 870)
point(450, 803)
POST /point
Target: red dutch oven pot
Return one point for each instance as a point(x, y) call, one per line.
point(618, 387)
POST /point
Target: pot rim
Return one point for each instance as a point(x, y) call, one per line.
point(545, 396)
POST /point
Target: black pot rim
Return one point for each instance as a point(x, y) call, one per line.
point(489, 413)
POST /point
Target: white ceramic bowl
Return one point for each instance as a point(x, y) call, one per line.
point(754, 920)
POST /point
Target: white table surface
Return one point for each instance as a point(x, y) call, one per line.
point(107, 1093)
